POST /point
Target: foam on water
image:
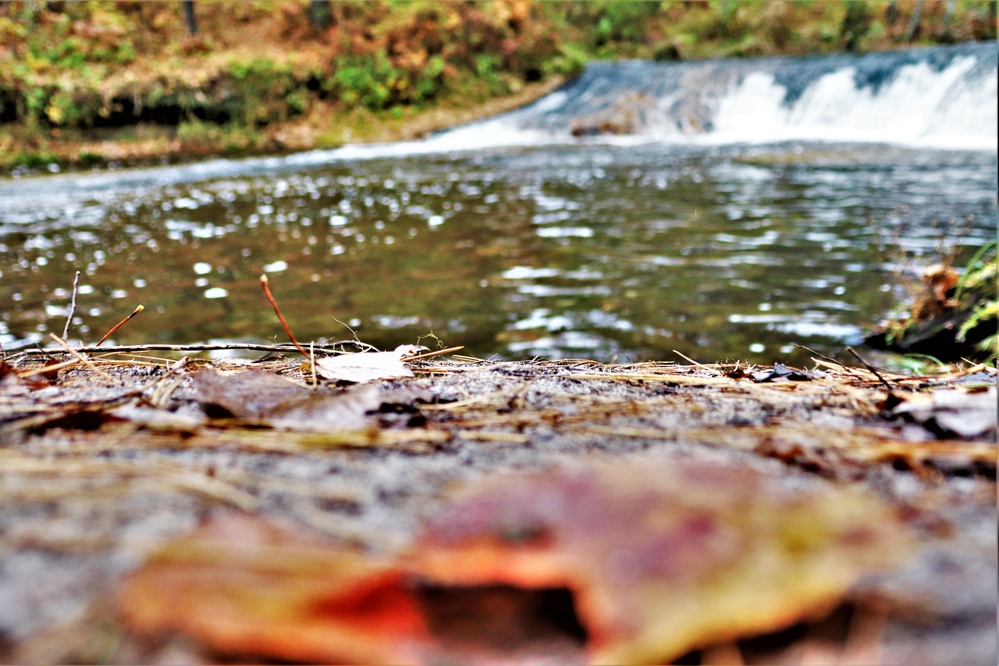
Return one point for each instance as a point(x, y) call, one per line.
point(923, 107)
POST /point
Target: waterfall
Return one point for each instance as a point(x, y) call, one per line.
point(943, 97)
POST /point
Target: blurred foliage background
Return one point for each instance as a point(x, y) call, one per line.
point(91, 81)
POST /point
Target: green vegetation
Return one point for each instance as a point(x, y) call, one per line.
point(957, 315)
point(262, 76)
point(977, 288)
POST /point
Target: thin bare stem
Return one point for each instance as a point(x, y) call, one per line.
point(871, 368)
point(687, 358)
point(72, 305)
point(699, 365)
point(312, 363)
point(49, 368)
point(332, 348)
point(267, 292)
point(119, 325)
point(824, 358)
point(433, 353)
point(80, 357)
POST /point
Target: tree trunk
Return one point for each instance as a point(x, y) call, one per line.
point(320, 13)
point(949, 14)
point(914, 23)
point(190, 20)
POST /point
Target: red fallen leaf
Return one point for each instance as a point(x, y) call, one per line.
point(244, 585)
point(663, 558)
point(643, 562)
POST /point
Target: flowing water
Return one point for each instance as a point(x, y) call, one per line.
point(748, 206)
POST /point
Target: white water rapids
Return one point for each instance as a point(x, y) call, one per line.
point(942, 98)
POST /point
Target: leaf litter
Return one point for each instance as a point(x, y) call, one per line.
point(480, 511)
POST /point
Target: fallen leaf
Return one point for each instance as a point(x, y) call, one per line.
point(663, 558)
point(781, 372)
point(258, 394)
point(367, 366)
point(952, 412)
point(620, 563)
point(11, 382)
point(248, 586)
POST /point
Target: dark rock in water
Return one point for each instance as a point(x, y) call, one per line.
point(625, 116)
point(667, 53)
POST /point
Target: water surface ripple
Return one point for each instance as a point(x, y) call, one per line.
point(588, 251)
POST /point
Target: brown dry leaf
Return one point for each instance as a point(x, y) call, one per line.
point(243, 585)
point(367, 366)
point(780, 372)
point(664, 558)
point(258, 394)
point(949, 412)
point(622, 563)
point(938, 280)
point(249, 586)
point(13, 383)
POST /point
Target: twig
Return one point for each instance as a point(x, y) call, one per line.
point(871, 368)
point(49, 368)
point(72, 305)
point(83, 359)
point(121, 323)
point(161, 390)
point(433, 353)
point(197, 347)
point(267, 292)
point(686, 358)
point(347, 326)
point(822, 356)
point(692, 361)
point(135, 476)
point(312, 362)
point(492, 436)
point(26, 352)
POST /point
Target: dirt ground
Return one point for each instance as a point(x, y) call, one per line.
point(106, 459)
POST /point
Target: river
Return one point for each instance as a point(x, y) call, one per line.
point(725, 209)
